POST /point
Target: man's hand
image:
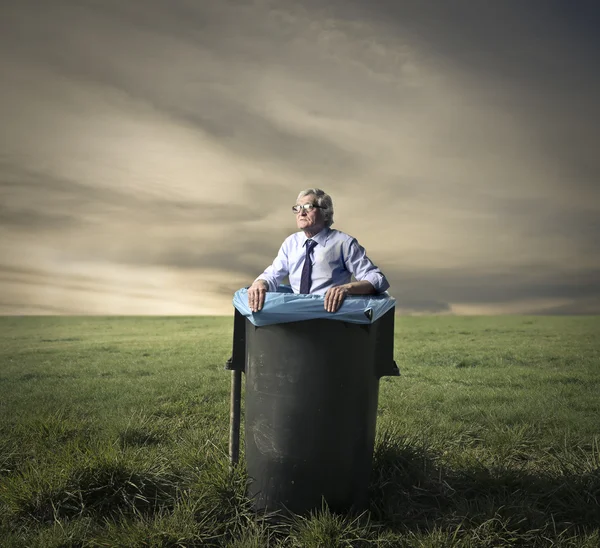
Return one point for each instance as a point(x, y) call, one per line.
point(256, 295)
point(335, 297)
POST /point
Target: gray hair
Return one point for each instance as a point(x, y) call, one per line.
point(323, 200)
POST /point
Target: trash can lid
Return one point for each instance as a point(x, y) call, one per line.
point(284, 306)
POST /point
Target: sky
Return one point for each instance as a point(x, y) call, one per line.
point(151, 150)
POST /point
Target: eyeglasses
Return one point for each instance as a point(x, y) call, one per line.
point(306, 207)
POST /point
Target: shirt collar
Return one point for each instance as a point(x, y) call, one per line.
point(321, 237)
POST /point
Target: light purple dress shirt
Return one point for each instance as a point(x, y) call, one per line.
point(336, 257)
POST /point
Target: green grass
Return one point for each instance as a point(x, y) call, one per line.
point(113, 432)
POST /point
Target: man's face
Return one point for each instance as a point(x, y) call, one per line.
point(311, 220)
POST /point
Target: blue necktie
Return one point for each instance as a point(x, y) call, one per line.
point(305, 280)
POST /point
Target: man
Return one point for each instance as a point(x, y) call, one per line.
point(319, 259)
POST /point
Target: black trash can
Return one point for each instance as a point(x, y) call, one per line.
point(311, 408)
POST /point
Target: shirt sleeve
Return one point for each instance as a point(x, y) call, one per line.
point(363, 268)
point(275, 273)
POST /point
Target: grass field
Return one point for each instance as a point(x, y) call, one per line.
point(113, 432)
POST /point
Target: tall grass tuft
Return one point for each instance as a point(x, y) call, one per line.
point(108, 484)
point(325, 528)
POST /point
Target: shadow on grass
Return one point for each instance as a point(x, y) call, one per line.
point(410, 492)
point(104, 489)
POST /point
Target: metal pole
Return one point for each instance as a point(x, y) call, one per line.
point(234, 418)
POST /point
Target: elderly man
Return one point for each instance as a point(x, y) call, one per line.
point(319, 259)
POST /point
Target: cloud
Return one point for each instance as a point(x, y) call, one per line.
point(34, 201)
point(531, 62)
point(527, 289)
point(152, 141)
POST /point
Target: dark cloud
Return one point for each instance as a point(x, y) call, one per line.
point(32, 220)
point(535, 60)
point(516, 43)
point(587, 306)
point(434, 290)
point(541, 218)
point(409, 304)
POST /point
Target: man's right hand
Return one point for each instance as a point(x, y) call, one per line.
point(256, 295)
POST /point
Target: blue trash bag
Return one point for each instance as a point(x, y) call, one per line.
point(284, 306)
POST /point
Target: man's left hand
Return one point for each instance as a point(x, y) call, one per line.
point(335, 297)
